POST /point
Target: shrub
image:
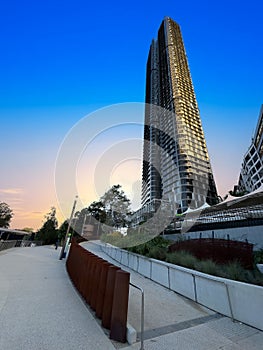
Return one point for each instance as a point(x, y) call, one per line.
point(172, 258)
point(188, 260)
point(113, 238)
point(254, 277)
point(144, 249)
point(158, 253)
point(258, 257)
point(234, 271)
point(208, 266)
point(182, 258)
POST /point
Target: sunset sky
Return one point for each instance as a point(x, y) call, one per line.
point(62, 61)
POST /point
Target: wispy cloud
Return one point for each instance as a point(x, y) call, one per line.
point(12, 191)
point(15, 200)
point(29, 214)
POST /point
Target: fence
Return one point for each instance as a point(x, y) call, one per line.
point(18, 243)
point(105, 287)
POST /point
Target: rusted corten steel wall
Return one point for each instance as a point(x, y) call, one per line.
point(219, 250)
point(104, 286)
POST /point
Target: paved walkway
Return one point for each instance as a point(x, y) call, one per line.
point(40, 310)
point(39, 307)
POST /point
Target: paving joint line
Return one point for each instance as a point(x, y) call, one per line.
point(176, 327)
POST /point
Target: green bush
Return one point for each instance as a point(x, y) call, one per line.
point(254, 277)
point(158, 253)
point(172, 258)
point(236, 272)
point(233, 271)
point(182, 258)
point(258, 257)
point(112, 238)
point(208, 266)
point(145, 248)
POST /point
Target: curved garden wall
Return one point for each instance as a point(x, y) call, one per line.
point(240, 301)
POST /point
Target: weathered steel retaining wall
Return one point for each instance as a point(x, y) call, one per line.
point(105, 287)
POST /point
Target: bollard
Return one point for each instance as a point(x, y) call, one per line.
point(95, 286)
point(118, 325)
point(108, 298)
point(91, 271)
point(80, 266)
point(71, 263)
point(102, 287)
point(69, 254)
point(84, 274)
point(92, 277)
point(69, 259)
point(86, 279)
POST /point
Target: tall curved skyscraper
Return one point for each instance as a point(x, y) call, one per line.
point(251, 175)
point(176, 165)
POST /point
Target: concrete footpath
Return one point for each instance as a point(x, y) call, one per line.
point(39, 307)
point(40, 310)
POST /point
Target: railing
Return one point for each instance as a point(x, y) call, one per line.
point(142, 314)
point(7, 245)
point(18, 243)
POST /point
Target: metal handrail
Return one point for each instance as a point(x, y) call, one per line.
point(142, 314)
point(229, 302)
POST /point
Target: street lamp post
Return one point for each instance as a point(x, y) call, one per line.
point(67, 237)
point(84, 224)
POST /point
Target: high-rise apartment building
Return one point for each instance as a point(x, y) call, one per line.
point(176, 165)
point(251, 175)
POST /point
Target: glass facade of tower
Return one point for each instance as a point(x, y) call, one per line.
point(176, 165)
point(251, 175)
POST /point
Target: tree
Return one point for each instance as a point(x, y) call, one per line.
point(48, 232)
point(237, 192)
point(6, 215)
point(28, 229)
point(79, 220)
point(112, 209)
point(117, 207)
point(97, 210)
point(62, 230)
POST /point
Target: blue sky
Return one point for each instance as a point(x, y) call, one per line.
point(61, 60)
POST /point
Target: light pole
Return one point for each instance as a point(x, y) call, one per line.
point(84, 224)
point(67, 237)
